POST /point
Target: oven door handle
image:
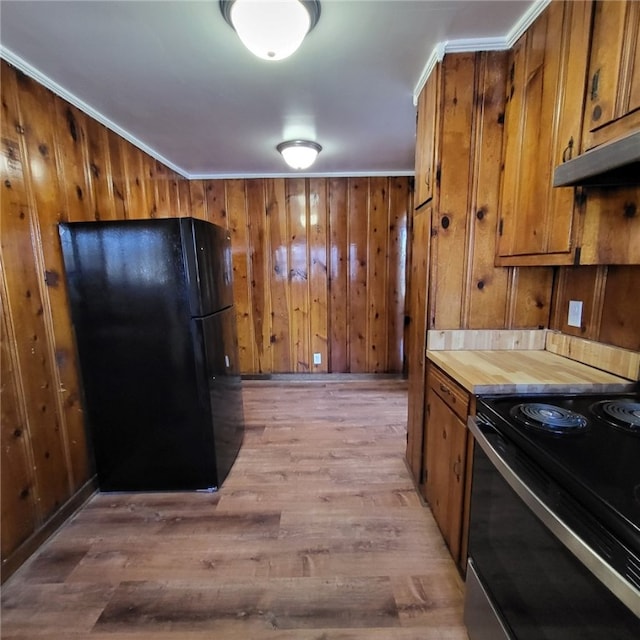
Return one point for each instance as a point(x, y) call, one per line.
point(615, 582)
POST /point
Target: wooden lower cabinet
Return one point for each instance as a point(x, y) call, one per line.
point(447, 443)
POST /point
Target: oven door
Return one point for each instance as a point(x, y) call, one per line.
point(523, 581)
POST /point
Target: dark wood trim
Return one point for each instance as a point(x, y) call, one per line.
point(17, 559)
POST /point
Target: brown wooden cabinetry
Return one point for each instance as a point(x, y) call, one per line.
point(612, 106)
point(426, 138)
point(446, 444)
point(543, 123)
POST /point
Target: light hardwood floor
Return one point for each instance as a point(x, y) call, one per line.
point(317, 534)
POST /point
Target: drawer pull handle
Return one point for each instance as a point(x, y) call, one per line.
point(448, 391)
point(595, 81)
point(567, 154)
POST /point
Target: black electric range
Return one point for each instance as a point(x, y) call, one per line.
point(587, 445)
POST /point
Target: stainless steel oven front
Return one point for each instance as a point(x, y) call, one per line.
point(541, 566)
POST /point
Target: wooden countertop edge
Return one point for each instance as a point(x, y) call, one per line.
point(618, 385)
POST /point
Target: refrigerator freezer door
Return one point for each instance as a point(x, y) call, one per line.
point(207, 250)
point(223, 392)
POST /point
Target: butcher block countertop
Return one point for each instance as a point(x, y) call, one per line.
point(524, 371)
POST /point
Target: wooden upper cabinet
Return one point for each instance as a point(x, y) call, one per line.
point(426, 138)
point(543, 125)
point(612, 106)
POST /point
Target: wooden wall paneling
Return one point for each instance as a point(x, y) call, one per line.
point(450, 224)
point(338, 276)
point(378, 273)
point(529, 297)
point(71, 151)
point(318, 284)
point(118, 177)
point(216, 202)
point(237, 213)
point(587, 285)
point(161, 190)
point(136, 186)
point(149, 177)
point(358, 270)
point(45, 192)
point(276, 198)
point(620, 315)
point(173, 189)
point(416, 352)
point(400, 203)
point(98, 171)
point(260, 273)
point(184, 197)
point(485, 304)
point(26, 307)
point(19, 514)
point(197, 199)
point(298, 214)
point(611, 227)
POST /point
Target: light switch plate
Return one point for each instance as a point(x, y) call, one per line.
point(575, 313)
point(317, 358)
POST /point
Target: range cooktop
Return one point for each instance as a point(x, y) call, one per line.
point(588, 444)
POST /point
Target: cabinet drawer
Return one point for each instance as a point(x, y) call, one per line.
point(456, 397)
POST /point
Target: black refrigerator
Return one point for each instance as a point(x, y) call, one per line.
point(152, 309)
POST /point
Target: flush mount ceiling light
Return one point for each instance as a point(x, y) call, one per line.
point(271, 29)
point(299, 154)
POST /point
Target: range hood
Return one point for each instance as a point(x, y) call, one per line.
point(614, 163)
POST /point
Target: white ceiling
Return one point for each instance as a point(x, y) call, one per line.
point(173, 78)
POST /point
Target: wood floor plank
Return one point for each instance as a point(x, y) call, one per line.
point(317, 534)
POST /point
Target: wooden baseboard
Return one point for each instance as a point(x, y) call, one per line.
point(321, 377)
point(18, 558)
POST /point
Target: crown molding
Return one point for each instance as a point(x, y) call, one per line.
point(38, 76)
point(301, 174)
point(500, 43)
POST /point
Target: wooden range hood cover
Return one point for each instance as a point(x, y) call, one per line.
point(614, 163)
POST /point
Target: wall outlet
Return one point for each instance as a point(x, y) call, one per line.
point(575, 313)
point(317, 358)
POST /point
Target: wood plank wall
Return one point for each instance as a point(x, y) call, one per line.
point(611, 308)
point(468, 291)
point(319, 266)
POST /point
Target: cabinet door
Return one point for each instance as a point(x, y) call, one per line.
point(416, 352)
point(543, 123)
point(446, 459)
point(426, 137)
point(613, 100)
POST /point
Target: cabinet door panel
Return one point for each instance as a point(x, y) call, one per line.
point(438, 456)
point(612, 106)
point(543, 124)
point(426, 138)
point(446, 462)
